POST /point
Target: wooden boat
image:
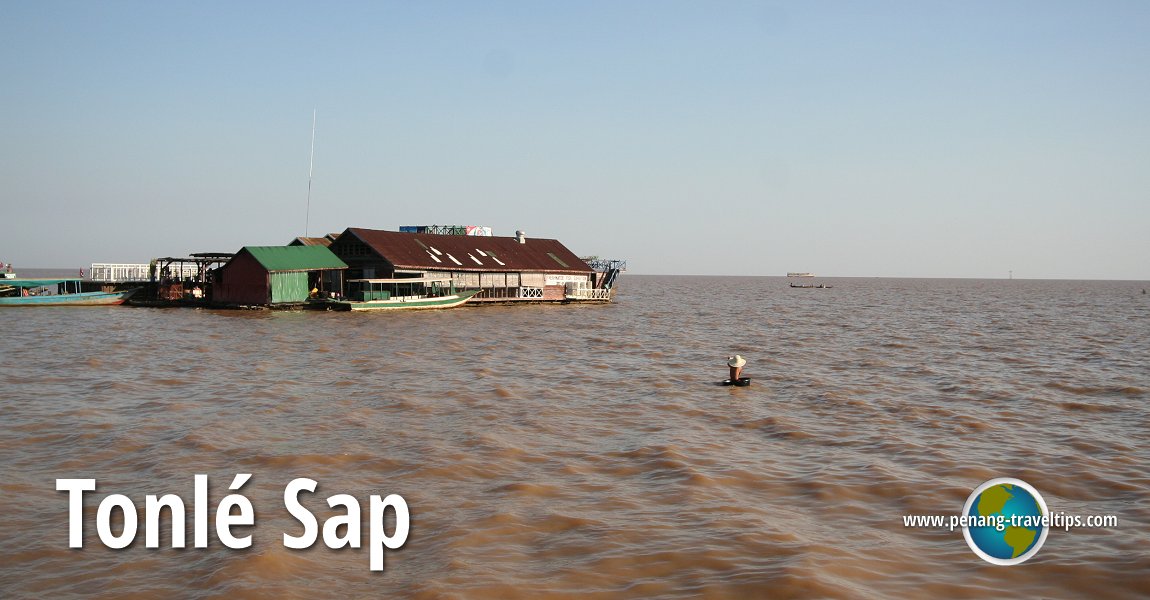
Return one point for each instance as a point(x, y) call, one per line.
point(40, 292)
point(421, 293)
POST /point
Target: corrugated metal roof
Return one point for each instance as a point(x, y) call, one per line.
point(311, 241)
point(470, 253)
point(295, 258)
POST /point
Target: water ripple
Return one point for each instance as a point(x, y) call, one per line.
point(586, 452)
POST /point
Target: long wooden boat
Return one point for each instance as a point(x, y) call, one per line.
point(421, 293)
point(66, 292)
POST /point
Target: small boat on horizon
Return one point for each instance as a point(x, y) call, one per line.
point(67, 292)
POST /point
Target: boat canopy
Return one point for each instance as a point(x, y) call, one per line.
point(35, 283)
point(408, 280)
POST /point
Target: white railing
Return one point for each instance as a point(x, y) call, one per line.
point(580, 290)
point(530, 292)
point(137, 272)
point(589, 294)
point(118, 272)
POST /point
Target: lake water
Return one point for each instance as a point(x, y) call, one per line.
point(585, 451)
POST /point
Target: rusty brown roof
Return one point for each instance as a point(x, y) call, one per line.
point(311, 241)
point(470, 253)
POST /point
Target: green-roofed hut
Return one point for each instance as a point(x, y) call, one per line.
point(277, 275)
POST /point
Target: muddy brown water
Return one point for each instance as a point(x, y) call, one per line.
point(585, 451)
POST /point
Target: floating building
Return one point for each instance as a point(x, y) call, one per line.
point(321, 271)
point(503, 269)
point(277, 275)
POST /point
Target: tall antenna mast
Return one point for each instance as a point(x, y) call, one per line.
point(310, 168)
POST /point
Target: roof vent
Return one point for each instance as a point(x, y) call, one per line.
point(521, 236)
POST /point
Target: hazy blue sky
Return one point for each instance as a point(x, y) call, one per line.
point(948, 139)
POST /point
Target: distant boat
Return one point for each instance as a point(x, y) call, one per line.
point(819, 286)
point(36, 292)
point(794, 274)
point(402, 294)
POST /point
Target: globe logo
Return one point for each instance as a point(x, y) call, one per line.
point(1009, 512)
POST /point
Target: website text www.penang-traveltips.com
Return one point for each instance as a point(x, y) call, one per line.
point(1058, 520)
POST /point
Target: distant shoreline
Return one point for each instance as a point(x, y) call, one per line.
point(73, 272)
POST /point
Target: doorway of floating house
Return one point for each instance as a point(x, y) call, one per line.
point(289, 287)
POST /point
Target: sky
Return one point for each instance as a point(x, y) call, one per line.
point(890, 139)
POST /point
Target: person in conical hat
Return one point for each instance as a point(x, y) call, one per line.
point(736, 363)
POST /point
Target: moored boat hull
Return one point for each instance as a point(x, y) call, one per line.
point(81, 299)
point(450, 301)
